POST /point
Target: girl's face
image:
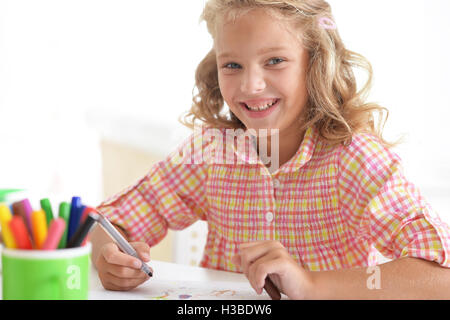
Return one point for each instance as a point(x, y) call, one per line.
point(262, 71)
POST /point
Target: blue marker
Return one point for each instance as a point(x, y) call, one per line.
point(76, 210)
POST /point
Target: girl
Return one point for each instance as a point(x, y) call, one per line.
point(337, 196)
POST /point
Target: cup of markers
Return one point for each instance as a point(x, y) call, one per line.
point(46, 257)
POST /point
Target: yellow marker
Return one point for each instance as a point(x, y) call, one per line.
point(39, 225)
point(5, 217)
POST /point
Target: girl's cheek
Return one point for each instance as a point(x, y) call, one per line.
point(223, 86)
point(227, 89)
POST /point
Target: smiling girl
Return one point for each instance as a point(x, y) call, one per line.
point(339, 197)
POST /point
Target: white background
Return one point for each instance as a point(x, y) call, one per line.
point(69, 67)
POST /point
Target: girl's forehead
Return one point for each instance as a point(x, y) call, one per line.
point(238, 17)
point(255, 25)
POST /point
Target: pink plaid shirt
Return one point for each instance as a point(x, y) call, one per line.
point(331, 207)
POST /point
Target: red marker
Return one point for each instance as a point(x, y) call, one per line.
point(55, 232)
point(83, 218)
point(20, 233)
point(86, 213)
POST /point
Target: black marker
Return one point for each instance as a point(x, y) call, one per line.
point(78, 237)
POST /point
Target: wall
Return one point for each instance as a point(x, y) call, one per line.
point(122, 166)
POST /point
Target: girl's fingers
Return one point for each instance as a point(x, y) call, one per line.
point(119, 271)
point(126, 273)
point(113, 255)
point(258, 271)
point(251, 252)
point(112, 282)
point(260, 260)
point(236, 259)
point(142, 249)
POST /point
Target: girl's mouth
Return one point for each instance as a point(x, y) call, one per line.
point(261, 111)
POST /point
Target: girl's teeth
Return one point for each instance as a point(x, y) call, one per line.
point(263, 108)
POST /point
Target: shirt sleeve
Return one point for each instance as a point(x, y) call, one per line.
point(172, 195)
point(386, 208)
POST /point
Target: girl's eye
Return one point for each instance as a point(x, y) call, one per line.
point(232, 65)
point(275, 61)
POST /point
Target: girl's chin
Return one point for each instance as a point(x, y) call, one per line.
point(260, 127)
point(261, 131)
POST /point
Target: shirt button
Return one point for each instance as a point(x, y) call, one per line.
point(269, 217)
point(276, 183)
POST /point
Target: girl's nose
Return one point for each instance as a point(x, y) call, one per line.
point(252, 81)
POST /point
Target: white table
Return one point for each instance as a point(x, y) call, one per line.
point(180, 282)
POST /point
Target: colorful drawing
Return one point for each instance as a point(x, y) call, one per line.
point(186, 290)
point(163, 297)
point(219, 293)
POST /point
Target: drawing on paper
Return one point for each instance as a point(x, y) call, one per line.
point(199, 291)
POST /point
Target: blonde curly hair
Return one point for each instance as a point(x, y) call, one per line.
point(335, 106)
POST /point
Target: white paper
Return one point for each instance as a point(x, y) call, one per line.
point(155, 289)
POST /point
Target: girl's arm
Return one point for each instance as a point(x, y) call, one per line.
point(405, 278)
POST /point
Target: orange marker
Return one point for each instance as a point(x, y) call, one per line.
point(39, 226)
point(19, 230)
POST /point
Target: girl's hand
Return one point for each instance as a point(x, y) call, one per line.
point(119, 271)
point(269, 258)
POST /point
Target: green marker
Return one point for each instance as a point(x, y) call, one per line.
point(5, 192)
point(47, 207)
point(64, 212)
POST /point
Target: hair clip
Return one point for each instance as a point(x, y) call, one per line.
point(324, 22)
point(327, 23)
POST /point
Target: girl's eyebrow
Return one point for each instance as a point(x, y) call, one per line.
point(260, 52)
